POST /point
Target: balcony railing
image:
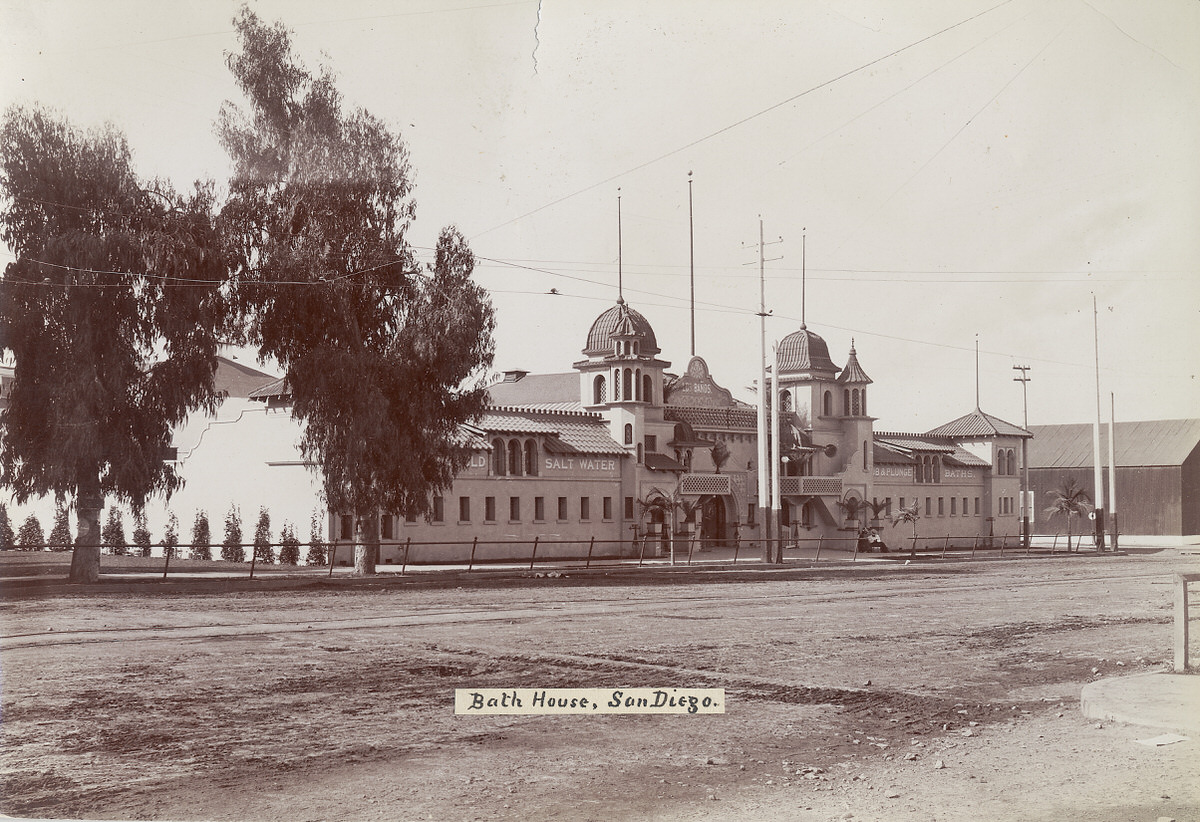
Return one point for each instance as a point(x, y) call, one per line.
point(699, 485)
point(810, 486)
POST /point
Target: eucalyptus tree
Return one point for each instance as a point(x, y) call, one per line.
point(384, 357)
point(111, 310)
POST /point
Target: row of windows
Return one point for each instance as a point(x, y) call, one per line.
point(627, 383)
point(514, 458)
point(437, 514)
point(854, 402)
point(1006, 462)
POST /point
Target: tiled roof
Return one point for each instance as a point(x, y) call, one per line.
point(714, 418)
point(620, 319)
point(566, 432)
point(853, 372)
point(237, 379)
point(273, 389)
point(965, 458)
point(978, 425)
point(661, 462)
point(804, 351)
point(1136, 443)
point(890, 455)
point(914, 443)
point(545, 390)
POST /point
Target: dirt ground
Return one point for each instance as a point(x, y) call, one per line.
point(914, 693)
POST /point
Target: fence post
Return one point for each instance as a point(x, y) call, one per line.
point(591, 544)
point(332, 554)
point(167, 551)
point(533, 558)
point(974, 544)
point(1028, 542)
point(945, 545)
point(854, 555)
point(1054, 544)
point(820, 540)
point(471, 564)
point(737, 546)
point(1181, 620)
point(642, 552)
point(254, 557)
point(404, 564)
point(691, 546)
point(1003, 542)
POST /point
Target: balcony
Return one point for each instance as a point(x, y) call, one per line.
point(701, 485)
point(810, 486)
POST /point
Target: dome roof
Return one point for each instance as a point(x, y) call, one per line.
point(804, 351)
point(623, 321)
point(853, 372)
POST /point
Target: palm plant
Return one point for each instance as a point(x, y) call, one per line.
point(911, 514)
point(1070, 500)
point(878, 507)
point(852, 506)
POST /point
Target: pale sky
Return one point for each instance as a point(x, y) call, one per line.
point(958, 167)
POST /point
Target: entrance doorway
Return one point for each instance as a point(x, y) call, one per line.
point(714, 523)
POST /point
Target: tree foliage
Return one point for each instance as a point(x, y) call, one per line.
point(289, 546)
point(263, 552)
point(7, 537)
point(113, 534)
point(201, 537)
point(60, 534)
point(141, 534)
point(111, 310)
point(231, 548)
point(170, 540)
point(31, 537)
point(909, 514)
point(1069, 500)
point(384, 357)
point(316, 541)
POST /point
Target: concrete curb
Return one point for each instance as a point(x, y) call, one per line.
point(1169, 702)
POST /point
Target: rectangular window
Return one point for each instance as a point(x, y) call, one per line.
point(385, 526)
point(901, 502)
point(953, 506)
point(941, 506)
point(410, 518)
point(929, 506)
point(347, 529)
point(439, 511)
point(608, 508)
point(514, 509)
point(562, 509)
point(585, 508)
point(965, 509)
point(887, 507)
point(976, 506)
point(489, 509)
point(628, 507)
point(750, 514)
point(651, 443)
point(464, 509)
point(539, 508)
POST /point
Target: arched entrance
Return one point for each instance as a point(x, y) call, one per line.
point(714, 522)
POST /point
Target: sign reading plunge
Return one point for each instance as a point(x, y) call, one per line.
point(491, 701)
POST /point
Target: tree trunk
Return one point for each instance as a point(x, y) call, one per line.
point(366, 544)
point(85, 559)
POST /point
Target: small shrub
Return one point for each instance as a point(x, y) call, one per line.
point(231, 549)
point(201, 537)
point(262, 538)
point(289, 546)
point(316, 541)
point(170, 540)
point(60, 534)
point(8, 540)
point(141, 534)
point(113, 532)
point(31, 537)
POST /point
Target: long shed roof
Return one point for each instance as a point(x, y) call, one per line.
point(1137, 443)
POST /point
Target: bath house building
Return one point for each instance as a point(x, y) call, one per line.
point(620, 456)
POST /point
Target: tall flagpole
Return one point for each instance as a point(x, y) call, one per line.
point(1098, 467)
point(692, 262)
point(764, 490)
point(776, 520)
point(1112, 470)
point(620, 275)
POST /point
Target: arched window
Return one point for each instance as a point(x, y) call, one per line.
point(617, 385)
point(647, 388)
point(598, 390)
point(827, 404)
point(937, 469)
point(785, 401)
point(627, 384)
point(854, 394)
point(514, 458)
point(864, 455)
point(637, 385)
point(864, 402)
point(499, 457)
point(629, 433)
point(530, 458)
point(846, 402)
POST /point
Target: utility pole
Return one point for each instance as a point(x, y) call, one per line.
point(1025, 503)
point(1112, 469)
point(1099, 469)
point(764, 506)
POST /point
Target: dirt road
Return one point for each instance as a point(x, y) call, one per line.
point(913, 695)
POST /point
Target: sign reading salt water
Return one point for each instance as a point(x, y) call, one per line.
point(579, 465)
point(492, 701)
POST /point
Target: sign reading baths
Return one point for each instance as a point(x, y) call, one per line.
point(490, 701)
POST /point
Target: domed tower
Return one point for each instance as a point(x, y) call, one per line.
point(857, 427)
point(808, 380)
point(622, 378)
